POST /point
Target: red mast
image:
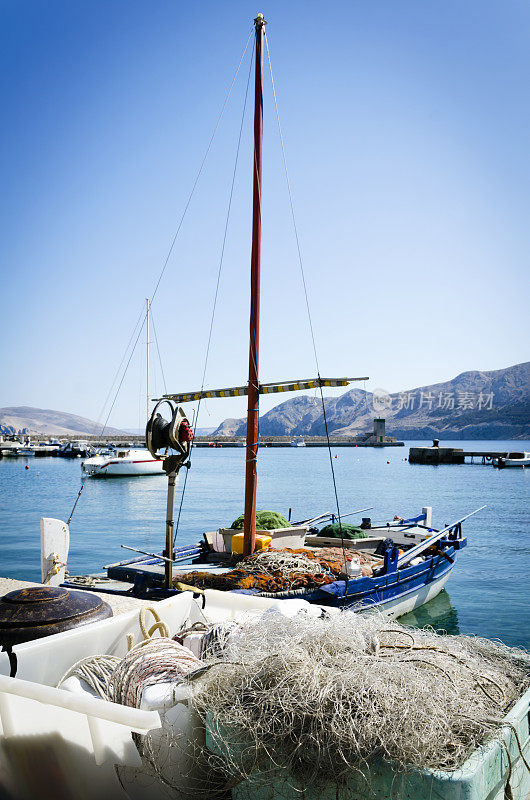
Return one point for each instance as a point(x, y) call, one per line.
point(253, 360)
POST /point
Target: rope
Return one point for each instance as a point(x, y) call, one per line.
point(76, 502)
point(200, 169)
point(173, 241)
point(96, 671)
point(158, 624)
point(153, 661)
point(158, 351)
point(55, 568)
point(306, 296)
point(118, 370)
point(216, 294)
point(123, 376)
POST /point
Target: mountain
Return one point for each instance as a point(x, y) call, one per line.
point(474, 405)
point(46, 421)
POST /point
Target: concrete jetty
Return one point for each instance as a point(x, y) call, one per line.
point(452, 455)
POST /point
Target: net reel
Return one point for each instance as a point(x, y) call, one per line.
point(163, 436)
point(170, 441)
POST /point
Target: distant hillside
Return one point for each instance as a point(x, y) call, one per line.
point(474, 405)
point(46, 421)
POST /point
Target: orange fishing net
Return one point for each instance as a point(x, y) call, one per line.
point(259, 571)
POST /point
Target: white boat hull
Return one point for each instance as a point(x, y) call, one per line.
point(137, 463)
point(417, 597)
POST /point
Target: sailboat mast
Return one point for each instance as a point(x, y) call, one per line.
point(253, 361)
point(147, 358)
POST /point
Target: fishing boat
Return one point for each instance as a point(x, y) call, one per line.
point(396, 567)
point(75, 449)
point(410, 561)
point(299, 442)
point(64, 735)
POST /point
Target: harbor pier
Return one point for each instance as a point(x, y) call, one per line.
point(453, 455)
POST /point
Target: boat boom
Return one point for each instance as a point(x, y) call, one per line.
point(414, 551)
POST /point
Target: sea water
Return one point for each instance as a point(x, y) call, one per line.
point(488, 593)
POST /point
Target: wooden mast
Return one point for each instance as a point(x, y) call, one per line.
point(253, 361)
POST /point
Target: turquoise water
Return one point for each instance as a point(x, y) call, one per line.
point(488, 593)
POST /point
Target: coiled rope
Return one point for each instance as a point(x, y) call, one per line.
point(152, 661)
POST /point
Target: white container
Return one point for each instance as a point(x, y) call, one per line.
point(353, 568)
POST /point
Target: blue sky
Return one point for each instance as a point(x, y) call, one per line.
point(406, 128)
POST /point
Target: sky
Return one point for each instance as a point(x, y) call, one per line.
point(406, 129)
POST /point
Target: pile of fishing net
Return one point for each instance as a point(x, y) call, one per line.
point(322, 699)
point(274, 571)
point(265, 521)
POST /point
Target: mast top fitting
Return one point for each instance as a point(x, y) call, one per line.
point(260, 21)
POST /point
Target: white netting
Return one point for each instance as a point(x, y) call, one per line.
point(288, 564)
point(323, 698)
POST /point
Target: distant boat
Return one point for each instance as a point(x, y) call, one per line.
point(514, 460)
point(297, 443)
point(75, 449)
point(123, 463)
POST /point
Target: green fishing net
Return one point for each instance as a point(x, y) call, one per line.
point(348, 531)
point(265, 521)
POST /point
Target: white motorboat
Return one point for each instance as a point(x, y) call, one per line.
point(123, 463)
point(516, 459)
point(297, 443)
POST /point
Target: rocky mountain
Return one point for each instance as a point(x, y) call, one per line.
point(46, 421)
point(474, 405)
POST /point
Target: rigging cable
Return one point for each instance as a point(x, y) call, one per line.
point(76, 502)
point(194, 186)
point(209, 147)
point(284, 157)
point(216, 294)
point(123, 376)
point(158, 351)
point(200, 170)
point(120, 366)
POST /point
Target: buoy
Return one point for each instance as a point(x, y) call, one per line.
point(27, 466)
point(388, 462)
point(335, 456)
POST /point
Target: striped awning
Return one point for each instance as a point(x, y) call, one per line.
point(264, 388)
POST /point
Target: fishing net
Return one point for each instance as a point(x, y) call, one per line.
point(265, 521)
point(274, 571)
point(345, 531)
point(322, 699)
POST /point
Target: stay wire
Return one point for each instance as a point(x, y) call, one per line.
point(209, 147)
point(306, 296)
point(123, 376)
point(76, 502)
point(120, 366)
point(216, 293)
point(291, 203)
point(158, 351)
point(194, 186)
point(200, 170)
